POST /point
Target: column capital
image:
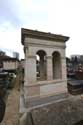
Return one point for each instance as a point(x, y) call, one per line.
point(63, 58)
point(49, 68)
point(31, 56)
point(49, 57)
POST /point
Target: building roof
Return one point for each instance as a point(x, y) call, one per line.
point(41, 35)
point(7, 58)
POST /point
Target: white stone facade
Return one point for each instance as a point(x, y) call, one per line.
point(52, 64)
point(10, 65)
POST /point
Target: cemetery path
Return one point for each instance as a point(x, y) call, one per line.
point(12, 105)
point(12, 108)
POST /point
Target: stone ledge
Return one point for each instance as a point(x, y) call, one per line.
point(38, 101)
point(41, 83)
point(45, 95)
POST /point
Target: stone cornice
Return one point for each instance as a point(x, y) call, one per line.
point(46, 45)
point(41, 35)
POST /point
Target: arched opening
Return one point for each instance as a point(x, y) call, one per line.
point(41, 65)
point(56, 60)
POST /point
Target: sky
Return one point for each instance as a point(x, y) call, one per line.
point(56, 16)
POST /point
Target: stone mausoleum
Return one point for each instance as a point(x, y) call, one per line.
point(45, 64)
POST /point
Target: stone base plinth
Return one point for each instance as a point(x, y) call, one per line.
point(43, 89)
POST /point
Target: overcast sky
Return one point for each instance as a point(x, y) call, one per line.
point(56, 16)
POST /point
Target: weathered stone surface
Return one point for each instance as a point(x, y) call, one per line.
point(51, 66)
point(67, 112)
point(26, 119)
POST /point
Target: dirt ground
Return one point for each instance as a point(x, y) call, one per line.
point(12, 106)
point(12, 109)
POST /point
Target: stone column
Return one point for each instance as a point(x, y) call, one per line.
point(30, 69)
point(49, 68)
point(42, 69)
point(30, 78)
point(64, 74)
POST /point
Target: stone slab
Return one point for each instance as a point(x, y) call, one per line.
point(65, 112)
